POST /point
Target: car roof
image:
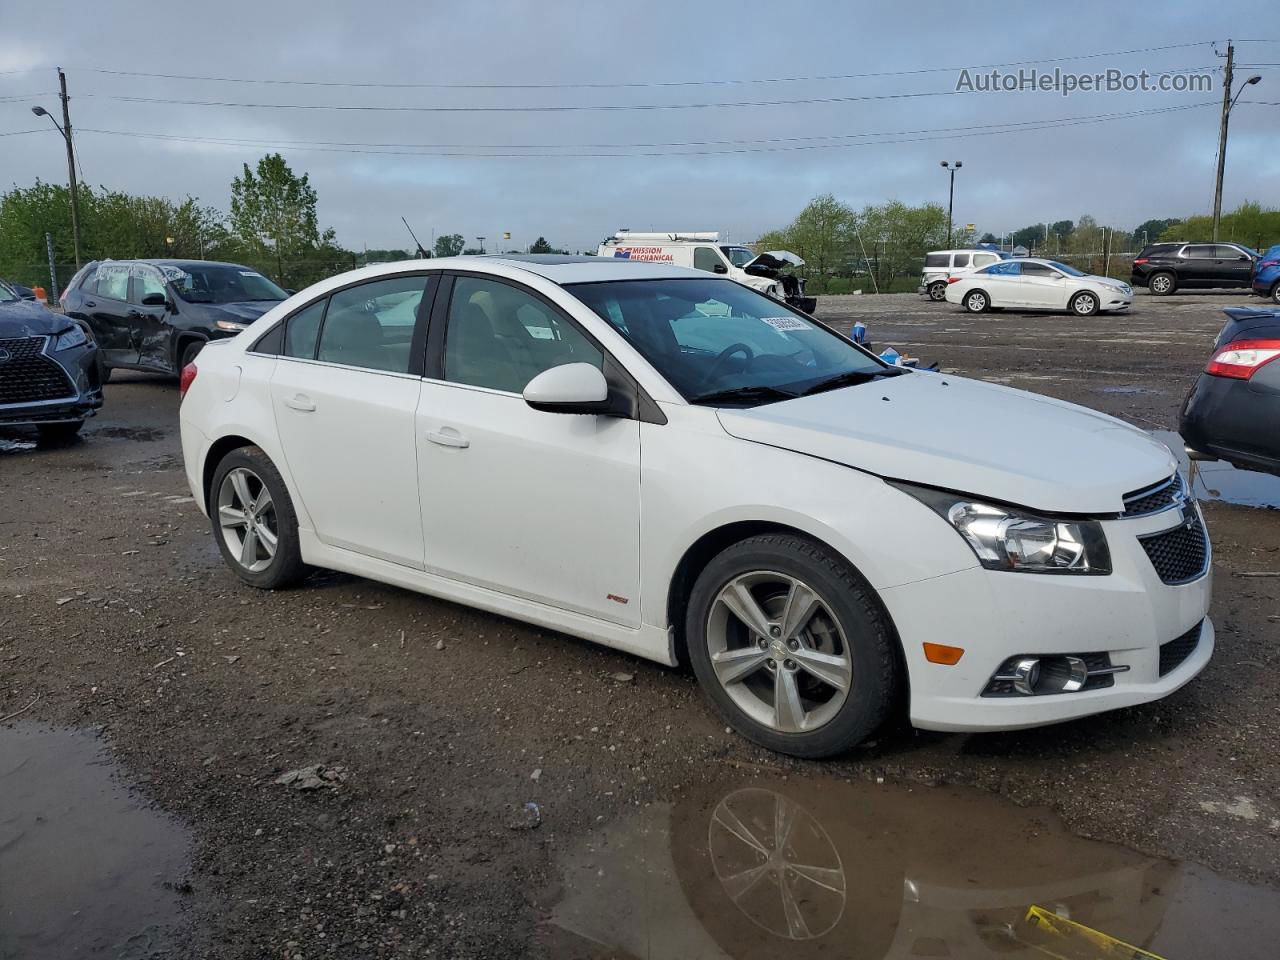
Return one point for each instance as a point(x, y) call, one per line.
point(561, 269)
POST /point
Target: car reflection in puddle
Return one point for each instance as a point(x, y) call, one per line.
point(1219, 480)
point(85, 868)
point(857, 870)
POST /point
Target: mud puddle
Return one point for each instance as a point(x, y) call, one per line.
point(795, 868)
point(86, 870)
point(1219, 480)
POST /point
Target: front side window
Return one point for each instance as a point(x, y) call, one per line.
point(717, 341)
point(302, 329)
point(706, 258)
point(1066, 268)
point(146, 282)
point(961, 260)
point(371, 325)
point(1231, 253)
point(501, 337)
point(984, 259)
point(738, 256)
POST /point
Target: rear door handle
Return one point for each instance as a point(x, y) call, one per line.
point(91, 303)
point(299, 401)
point(448, 437)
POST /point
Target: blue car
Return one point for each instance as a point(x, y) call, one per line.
point(1266, 275)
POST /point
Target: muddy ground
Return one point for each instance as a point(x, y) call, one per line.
point(116, 614)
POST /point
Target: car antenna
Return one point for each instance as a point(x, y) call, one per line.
point(422, 254)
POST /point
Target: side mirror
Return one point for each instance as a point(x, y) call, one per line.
point(720, 268)
point(290, 292)
point(155, 300)
point(569, 388)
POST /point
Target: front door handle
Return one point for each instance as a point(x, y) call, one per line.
point(448, 437)
point(300, 401)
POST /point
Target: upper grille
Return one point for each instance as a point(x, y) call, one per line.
point(1155, 498)
point(1173, 653)
point(28, 376)
point(1179, 555)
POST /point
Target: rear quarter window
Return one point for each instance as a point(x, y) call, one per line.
point(937, 260)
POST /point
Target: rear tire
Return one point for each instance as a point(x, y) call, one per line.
point(55, 433)
point(249, 507)
point(938, 291)
point(818, 671)
point(1162, 284)
point(1275, 292)
point(1085, 304)
point(977, 301)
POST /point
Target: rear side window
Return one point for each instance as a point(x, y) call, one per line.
point(301, 331)
point(113, 281)
point(1006, 268)
point(937, 260)
point(1200, 251)
point(960, 260)
point(371, 325)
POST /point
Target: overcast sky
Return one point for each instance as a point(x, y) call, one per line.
point(1123, 171)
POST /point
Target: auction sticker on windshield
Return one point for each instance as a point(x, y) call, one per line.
point(785, 323)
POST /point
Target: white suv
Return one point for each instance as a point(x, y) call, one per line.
point(943, 264)
point(673, 464)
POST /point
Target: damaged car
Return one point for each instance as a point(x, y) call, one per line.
point(50, 374)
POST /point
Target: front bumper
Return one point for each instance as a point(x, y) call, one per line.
point(37, 386)
point(993, 616)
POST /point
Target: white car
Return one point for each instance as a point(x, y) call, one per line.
point(1035, 284)
point(675, 465)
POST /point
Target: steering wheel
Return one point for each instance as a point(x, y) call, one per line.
point(724, 355)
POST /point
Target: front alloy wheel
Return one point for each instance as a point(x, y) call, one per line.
point(1275, 293)
point(790, 643)
point(1084, 304)
point(976, 302)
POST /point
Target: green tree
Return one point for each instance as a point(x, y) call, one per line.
point(1149, 231)
point(1250, 224)
point(449, 245)
point(273, 213)
point(542, 246)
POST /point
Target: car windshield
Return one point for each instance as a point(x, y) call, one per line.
point(7, 295)
point(721, 343)
point(1068, 270)
point(221, 283)
point(738, 256)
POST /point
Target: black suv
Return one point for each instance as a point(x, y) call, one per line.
point(1164, 267)
point(156, 314)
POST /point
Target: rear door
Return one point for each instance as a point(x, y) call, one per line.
point(106, 304)
point(151, 321)
point(345, 393)
point(1003, 283)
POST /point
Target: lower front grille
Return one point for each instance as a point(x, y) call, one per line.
point(1176, 651)
point(1179, 555)
point(28, 376)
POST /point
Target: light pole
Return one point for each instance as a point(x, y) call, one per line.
point(1222, 139)
point(65, 130)
point(481, 239)
point(951, 198)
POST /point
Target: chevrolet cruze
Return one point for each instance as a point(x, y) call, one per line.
point(680, 467)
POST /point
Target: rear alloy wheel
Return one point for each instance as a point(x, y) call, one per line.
point(938, 290)
point(976, 301)
point(789, 644)
point(1275, 292)
point(1162, 284)
point(1084, 304)
point(254, 520)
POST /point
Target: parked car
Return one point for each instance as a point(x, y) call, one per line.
point(815, 531)
point(1034, 284)
point(1266, 275)
point(1165, 267)
point(156, 315)
point(772, 272)
point(1233, 410)
point(942, 265)
point(49, 373)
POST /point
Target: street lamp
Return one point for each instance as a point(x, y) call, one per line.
point(1222, 145)
point(481, 239)
point(951, 199)
point(71, 174)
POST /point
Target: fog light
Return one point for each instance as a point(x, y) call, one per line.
point(1025, 676)
point(1028, 676)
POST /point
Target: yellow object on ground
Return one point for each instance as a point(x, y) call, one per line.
point(1065, 939)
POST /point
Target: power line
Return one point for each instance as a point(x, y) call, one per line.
point(18, 133)
point(971, 132)
point(616, 85)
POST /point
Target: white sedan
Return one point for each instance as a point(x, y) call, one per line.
point(675, 465)
point(1033, 284)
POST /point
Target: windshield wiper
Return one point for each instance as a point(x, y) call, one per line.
point(761, 393)
point(846, 379)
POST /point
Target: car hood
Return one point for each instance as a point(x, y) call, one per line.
point(970, 436)
point(245, 312)
point(772, 262)
point(28, 318)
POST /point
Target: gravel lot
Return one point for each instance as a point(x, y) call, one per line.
point(116, 611)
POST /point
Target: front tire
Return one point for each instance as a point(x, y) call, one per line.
point(938, 291)
point(1085, 304)
point(56, 433)
point(791, 646)
point(977, 301)
point(1162, 284)
point(254, 522)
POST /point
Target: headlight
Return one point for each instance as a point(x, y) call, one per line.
point(74, 337)
point(230, 325)
point(1005, 538)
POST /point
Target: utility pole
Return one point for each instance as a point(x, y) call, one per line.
point(71, 164)
point(1222, 135)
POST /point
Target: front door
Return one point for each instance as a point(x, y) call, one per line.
point(543, 506)
point(1234, 266)
point(344, 393)
point(150, 321)
point(1200, 265)
point(1042, 287)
